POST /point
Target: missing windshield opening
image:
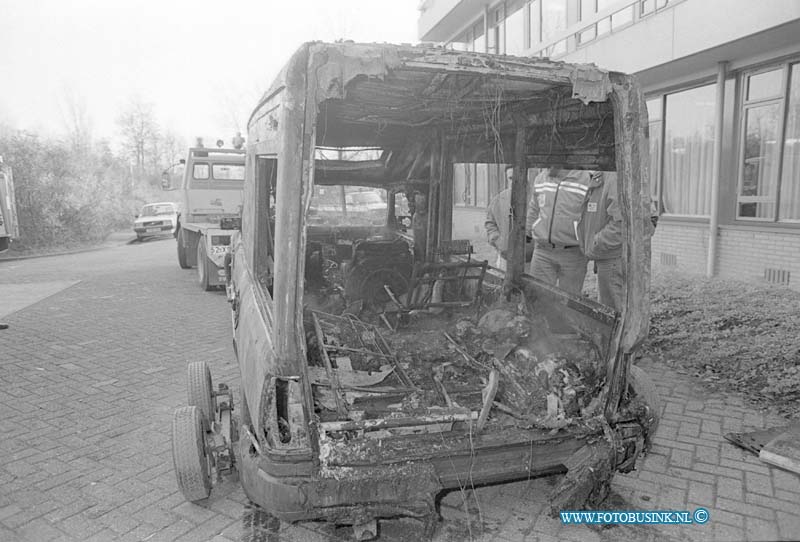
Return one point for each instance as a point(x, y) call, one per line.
point(282, 410)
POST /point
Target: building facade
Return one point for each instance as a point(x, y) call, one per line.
point(722, 81)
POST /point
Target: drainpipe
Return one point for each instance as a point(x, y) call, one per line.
point(716, 171)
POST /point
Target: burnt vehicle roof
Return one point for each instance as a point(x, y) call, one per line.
point(391, 96)
point(421, 103)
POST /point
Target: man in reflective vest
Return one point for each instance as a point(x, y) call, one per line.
point(553, 215)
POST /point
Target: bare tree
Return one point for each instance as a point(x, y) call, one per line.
point(76, 119)
point(233, 107)
point(140, 133)
point(173, 148)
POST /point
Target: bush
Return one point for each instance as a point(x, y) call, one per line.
point(66, 196)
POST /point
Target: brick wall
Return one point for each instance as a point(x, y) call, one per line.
point(758, 255)
point(680, 246)
point(742, 253)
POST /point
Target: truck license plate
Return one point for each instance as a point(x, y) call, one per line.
point(219, 249)
point(153, 230)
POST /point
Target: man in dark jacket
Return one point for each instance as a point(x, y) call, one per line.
point(600, 234)
point(498, 222)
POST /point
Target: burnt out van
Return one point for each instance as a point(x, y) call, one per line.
point(382, 362)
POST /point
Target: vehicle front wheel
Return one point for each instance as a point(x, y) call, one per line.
point(202, 266)
point(183, 242)
point(189, 454)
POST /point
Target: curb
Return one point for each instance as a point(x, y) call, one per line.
point(78, 250)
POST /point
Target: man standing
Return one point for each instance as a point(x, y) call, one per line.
point(553, 215)
point(600, 233)
point(498, 222)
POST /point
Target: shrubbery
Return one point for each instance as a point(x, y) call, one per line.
point(69, 195)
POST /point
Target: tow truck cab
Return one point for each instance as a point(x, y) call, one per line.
point(211, 203)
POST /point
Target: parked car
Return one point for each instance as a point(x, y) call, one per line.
point(368, 200)
point(156, 219)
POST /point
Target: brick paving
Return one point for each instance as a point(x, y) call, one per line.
point(90, 377)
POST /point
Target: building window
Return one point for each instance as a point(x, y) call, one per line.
point(474, 185)
point(534, 24)
point(588, 8)
point(687, 156)
point(496, 32)
point(515, 28)
point(769, 188)
point(646, 7)
point(554, 22)
point(463, 42)
point(478, 43)
point(463, 185)
point(655, 115)
point(459, 45)
point(789, 209)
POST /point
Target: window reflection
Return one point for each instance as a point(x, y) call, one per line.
point(688, 151)
point(765, 85)
point(515, 29)
point(790, 175)
point(654, 114)
point(535, 20)
point(478, 43)
point(554, 21)
point(763, 151)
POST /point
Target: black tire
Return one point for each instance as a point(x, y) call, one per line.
point(139, 237)
point(200, 391)
point(182, 243)
point(189, 457)
point(202, 266)
point(643, 387)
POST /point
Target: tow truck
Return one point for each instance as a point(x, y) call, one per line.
point(211, 203)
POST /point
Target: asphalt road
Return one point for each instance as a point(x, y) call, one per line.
point(91, 369)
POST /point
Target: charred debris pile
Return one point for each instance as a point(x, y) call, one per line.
point(478, 365)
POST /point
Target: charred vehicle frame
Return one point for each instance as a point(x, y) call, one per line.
point(341, 420)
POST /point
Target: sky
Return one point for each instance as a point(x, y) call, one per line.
point(203, 64)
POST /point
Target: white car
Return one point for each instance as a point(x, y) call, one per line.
point(369, 200)
point(156, 219)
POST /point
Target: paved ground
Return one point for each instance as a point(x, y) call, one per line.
point(94, 364)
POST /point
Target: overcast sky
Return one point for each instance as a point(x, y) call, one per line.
point(203, 63)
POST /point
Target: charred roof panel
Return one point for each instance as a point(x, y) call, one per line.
point(388, 95)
